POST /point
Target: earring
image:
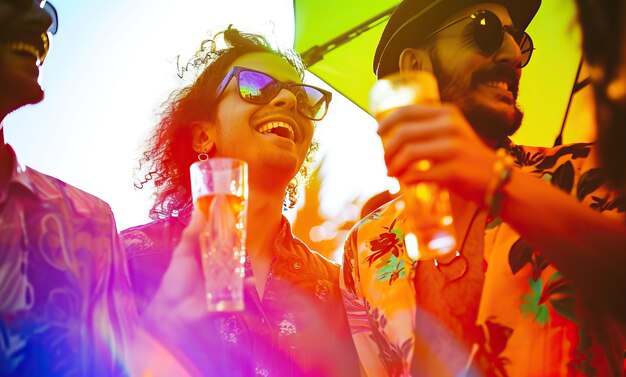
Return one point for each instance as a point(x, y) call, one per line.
point(203, 156)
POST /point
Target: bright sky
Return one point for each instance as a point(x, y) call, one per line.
point(113, 63)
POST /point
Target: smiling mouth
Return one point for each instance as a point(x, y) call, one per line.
point(498, 84)
point(24, 49)
point(280, 129)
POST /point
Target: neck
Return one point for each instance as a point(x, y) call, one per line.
point(491, 143)
point(264, 216)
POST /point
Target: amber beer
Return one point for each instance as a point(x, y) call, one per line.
point(223, 254)
point(219, 188)
point(431, 232)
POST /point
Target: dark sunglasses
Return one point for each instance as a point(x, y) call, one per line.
point(488, 34)
point(260, 88)
point(48, 7)
point(25, 5)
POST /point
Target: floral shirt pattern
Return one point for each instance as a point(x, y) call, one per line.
point(529, 319)
point(60, 263)
point(299, 328)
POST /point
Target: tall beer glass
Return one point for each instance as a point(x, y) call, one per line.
point(426, 205)
point(220, 191)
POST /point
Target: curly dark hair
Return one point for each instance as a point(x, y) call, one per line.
point(169, 151)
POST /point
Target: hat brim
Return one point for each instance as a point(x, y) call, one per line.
point(413, 19)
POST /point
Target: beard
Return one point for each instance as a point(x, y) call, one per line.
point(491, 125)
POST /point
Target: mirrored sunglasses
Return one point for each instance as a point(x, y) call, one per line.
point(260, 88)
point(488, 33)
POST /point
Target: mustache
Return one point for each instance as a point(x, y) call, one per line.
point(498, 73)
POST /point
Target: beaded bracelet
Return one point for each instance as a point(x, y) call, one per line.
point(500, 176)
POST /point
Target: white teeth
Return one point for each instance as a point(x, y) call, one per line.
point(24, 47)
point(268, 127)
point(498, 84)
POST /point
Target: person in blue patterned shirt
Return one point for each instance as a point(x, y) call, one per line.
point(65, 302)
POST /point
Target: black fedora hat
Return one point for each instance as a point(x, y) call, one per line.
point(415, 19)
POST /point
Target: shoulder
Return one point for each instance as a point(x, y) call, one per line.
point(383, 220)
point(543, 158)
point(154, 237)
point(75, 200)
point(314, 263)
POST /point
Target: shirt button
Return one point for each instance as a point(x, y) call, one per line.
point(297, 265)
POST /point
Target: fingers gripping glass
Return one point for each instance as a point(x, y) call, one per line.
point(488, 33)
point(260, 88)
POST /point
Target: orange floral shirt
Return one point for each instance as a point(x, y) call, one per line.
point(529, 319)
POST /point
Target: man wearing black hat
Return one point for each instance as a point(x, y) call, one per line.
point(514, 299)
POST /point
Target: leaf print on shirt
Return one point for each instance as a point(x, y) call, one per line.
point(287, 326)
point(590, 181)
point(523, 253)
point(391, 355)
point(524, 158)
point(229, 329)
point(558, 292)
point(387, 249)
point(608, 203)
point(576, 151)
point(392, 270)
point(492, 340)
point(563, 177)
point(388, 242)
point(322, 289)
point(531, 302)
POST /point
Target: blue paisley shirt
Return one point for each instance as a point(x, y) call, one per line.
point(63, 280)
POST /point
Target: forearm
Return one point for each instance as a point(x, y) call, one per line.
point(588, 247)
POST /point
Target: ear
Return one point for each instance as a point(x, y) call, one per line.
point(415, 59)
point(201, 139)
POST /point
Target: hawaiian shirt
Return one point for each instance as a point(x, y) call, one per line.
point(526, 319)
point(63, 279)
point(298, 328)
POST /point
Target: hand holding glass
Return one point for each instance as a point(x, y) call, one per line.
point(220, 191)
point(427, 206)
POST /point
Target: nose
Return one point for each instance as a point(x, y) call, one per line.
point(37, 17)
point(509, 53)
point(285, 99)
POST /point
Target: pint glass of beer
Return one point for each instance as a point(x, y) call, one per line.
point(220, 191)
point(427, 207)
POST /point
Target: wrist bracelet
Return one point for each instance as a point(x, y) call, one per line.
point(500, 176)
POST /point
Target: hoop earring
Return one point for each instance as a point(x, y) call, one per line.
point(203, 156)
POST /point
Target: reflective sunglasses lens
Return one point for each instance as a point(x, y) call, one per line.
point(311, 101)
point(487, 31)
point(256, 87)
point(526, 47)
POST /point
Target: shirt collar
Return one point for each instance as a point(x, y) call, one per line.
point(284, 232)
point(19, 174)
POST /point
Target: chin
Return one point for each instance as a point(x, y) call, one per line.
point(276, 167)
point(29, 95)
point(493, 123)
